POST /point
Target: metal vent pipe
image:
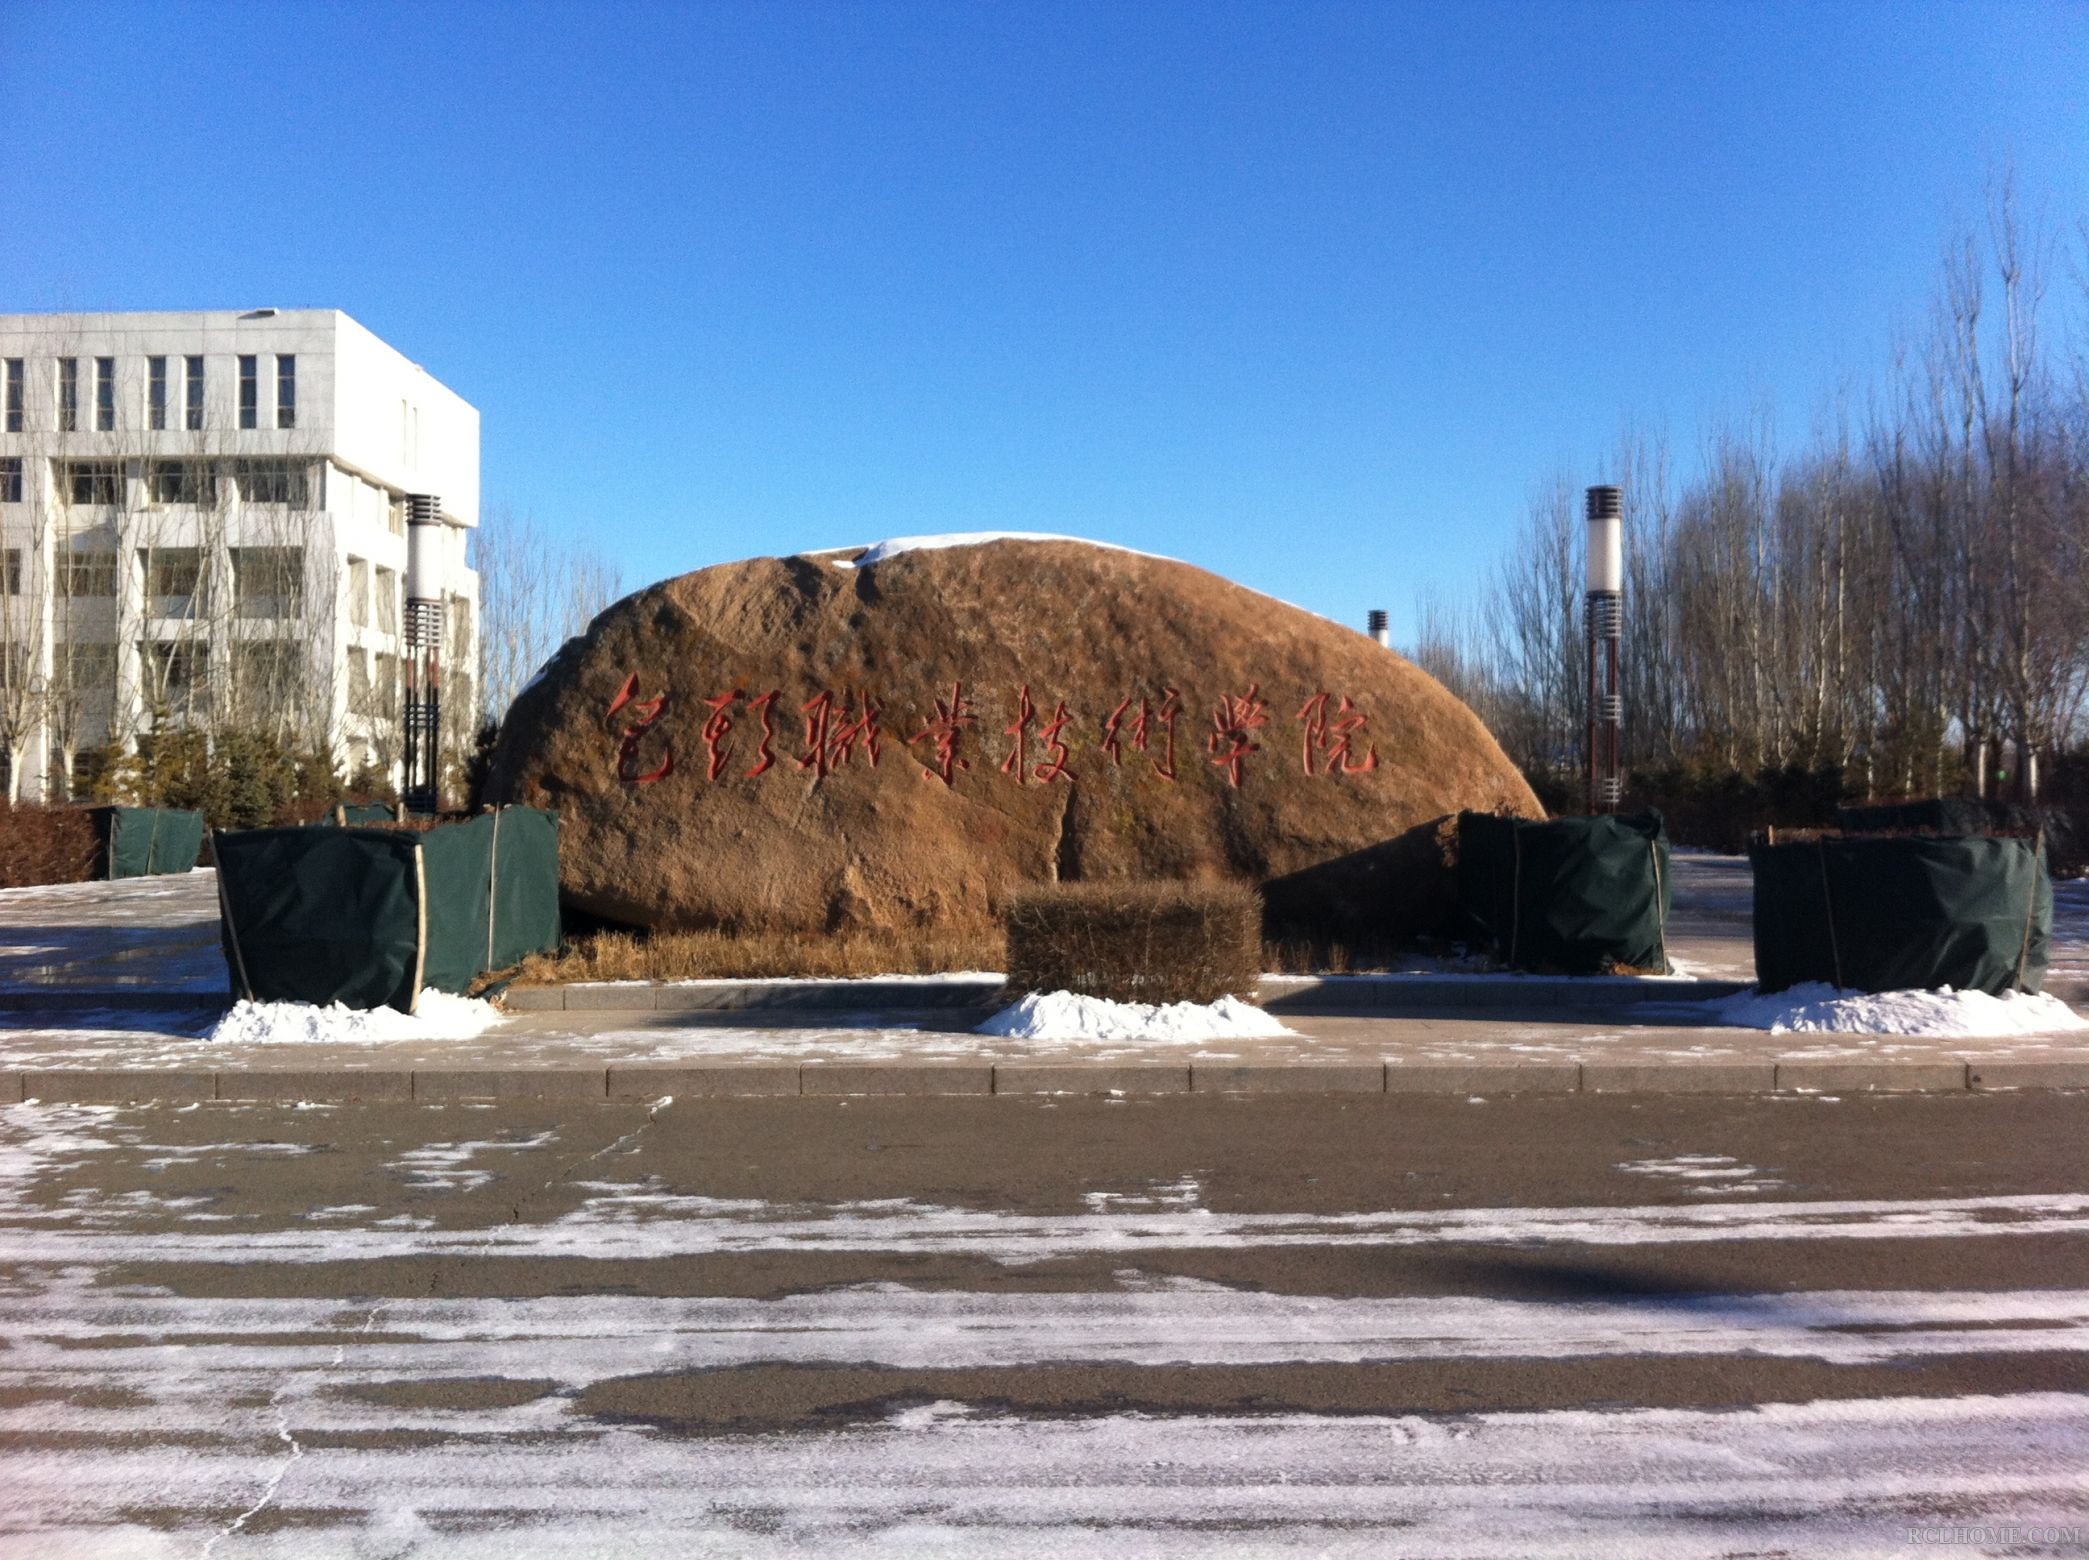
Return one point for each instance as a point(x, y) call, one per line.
point(1381, 630)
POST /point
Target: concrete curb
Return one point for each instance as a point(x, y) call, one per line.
point(65, 999)
point(978, 1079)
point(1283, 994)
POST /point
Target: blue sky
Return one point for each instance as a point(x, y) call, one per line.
point(1311, 294)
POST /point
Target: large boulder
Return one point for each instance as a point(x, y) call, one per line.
point(903, 736)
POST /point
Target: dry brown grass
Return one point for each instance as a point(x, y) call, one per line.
point(1137, 942)
point(751, 956)
point(47, 845)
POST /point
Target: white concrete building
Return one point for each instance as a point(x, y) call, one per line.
point(203, 528)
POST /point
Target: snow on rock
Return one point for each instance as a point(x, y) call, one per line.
point(441, 1016)
point(1062, 1015)
point(892, 547)
point(1817, 1008)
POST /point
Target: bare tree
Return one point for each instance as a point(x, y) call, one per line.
point(536, 591)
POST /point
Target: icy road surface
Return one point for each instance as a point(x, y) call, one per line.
point(1383, 1326)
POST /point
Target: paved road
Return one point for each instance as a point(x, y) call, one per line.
point(1530, 1326)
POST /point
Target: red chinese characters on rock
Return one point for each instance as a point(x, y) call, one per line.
point(1143, 725)
point(1018, 761)
point(841, 723)
point(1333, 737)
point(1232, 725)
point(639, 717)
point(1054, 766)
point(946, 731)
point(834, 727)
point(718, 725)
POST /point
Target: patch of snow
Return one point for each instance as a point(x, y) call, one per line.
point(1817, 1008)
point(441, 1016)
point(892, 547)
point(1063, 1015)
point(938, 978)
point(1730, 1175)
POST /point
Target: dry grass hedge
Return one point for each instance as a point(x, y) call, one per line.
point(1136, 942)
point(47, 845)
point(613, 955)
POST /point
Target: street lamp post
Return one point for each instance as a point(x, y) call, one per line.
point(1606, 634)
point(422, 791)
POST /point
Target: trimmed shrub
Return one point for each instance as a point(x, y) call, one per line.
point(1136, 942)
point(47, 845)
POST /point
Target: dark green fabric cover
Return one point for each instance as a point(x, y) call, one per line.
point(459, 866)
point(1902, 914)
point(151, 841)
point(525, 886)
point(321, 915)
point(334, 915)
point(1578, 896)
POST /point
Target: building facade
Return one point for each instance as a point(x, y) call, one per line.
point(203, 530)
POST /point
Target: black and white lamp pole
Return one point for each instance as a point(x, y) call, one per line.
point(422, 791)
point(1606, 637)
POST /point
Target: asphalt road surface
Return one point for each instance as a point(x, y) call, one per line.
point(1375, 1325)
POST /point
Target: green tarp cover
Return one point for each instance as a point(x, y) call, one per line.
point(1902, 914)
point(459, 865)
point(525, 885)
point(149, 841)
point(322, 915)
point(335, 915)
point(1579, 896)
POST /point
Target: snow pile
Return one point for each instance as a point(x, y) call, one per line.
point(1817, 1008)
point(892, 547)
point(441, 1017)
point(1062, 1015)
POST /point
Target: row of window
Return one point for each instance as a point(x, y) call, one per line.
point(177, 669)
point(267, 582)
point(160, 407)
point(168, 481)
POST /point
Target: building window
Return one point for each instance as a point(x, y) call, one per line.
point(388, 685)
point(275, 482)
point(90, 573)
point(457, 633)
point(156, 392)
point(11, 480)
point(182, 482)
point(249, 390)
point(268, 582)
point(14, 395)
point(68, 395)
point(175, 669)
point(94, 481)
point(90, 765)
point(286, 390)
point(11, 571)
point(358, 681)
point(192, 392)
point(104, 393)
point(388, 600)
point(266, 670)
point(86, 671)
point(173, 576)
point(359, 592)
